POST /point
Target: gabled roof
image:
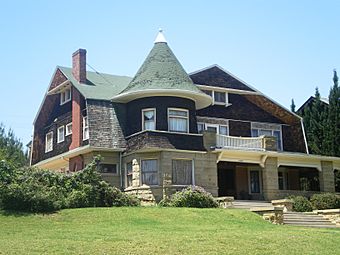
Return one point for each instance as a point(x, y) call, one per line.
point(162, 74)
point(309, 101)
point(99, 85)
point(218, 77)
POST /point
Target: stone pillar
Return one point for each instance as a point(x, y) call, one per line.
point(135, 173)
point(270, 185)
point(326, 177)
point(209, 140)
point(269, 143)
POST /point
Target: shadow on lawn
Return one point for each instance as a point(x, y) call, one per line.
point(21, 214)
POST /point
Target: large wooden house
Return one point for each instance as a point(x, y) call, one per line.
point(164, 129)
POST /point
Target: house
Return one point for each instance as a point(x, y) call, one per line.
point(164, 129)
point(309, 102)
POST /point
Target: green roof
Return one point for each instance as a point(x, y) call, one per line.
point(99, 85)
point(161, 70)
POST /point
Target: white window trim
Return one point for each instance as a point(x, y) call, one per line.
point(63, 139)
point(141, 173)
point(61, 96)
point(205, 126)
point(187, 118)
point(145, 110)
point(200, 123)
point(260, 180)
point(66, 128)
point(84, 127)
point(46, 149)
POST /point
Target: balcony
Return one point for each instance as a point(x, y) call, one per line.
point(262, 143)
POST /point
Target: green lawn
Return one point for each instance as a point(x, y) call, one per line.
point(152, 230)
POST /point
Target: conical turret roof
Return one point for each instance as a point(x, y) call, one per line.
point(161, 74)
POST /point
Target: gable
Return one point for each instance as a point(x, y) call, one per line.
point(57, 79)
point(217, 77)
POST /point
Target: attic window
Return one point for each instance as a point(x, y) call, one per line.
point(220, 97)
point(65, 96)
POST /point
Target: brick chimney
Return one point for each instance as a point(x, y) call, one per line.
point(79, 65)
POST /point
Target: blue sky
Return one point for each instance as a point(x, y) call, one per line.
point(283, 48)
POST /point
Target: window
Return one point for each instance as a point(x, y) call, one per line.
point(267, 129)
point(200, 127)
point(49, 142)
point(149, 172)
point(65, 96)
point(254, 181)
point(181, 172)
point(223, 130)
point(85, 128)
point(108, 168)
point(61, 134)
point(219, 97)
point(178, 120)
point(69, 129)
point(212, 127)
point(149, 119)
point(129, 174)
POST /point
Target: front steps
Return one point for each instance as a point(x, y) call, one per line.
point(307, 220)
point(247, 204)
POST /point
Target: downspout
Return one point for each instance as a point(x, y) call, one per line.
point(120, 170)
point(304, 135)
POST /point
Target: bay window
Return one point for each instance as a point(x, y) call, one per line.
point(149, 171)
point(178, 120)
point(149, 119)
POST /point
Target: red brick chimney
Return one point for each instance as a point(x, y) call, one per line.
point(79, 65)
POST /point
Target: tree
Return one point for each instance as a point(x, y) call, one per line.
point(292, 106)
point(11, 148)
point(315, 119)
point(333, 122)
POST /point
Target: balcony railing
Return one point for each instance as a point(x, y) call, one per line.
point(244, 143)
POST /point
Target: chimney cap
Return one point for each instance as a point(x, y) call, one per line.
point(79, 51)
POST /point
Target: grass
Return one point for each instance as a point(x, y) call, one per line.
point(152, 230)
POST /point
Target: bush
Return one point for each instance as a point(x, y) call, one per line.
point(301, 204)
point(325, 201)
point(192, 196)
point(35, 190)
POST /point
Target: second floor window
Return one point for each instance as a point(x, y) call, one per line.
point(65, 96)
point(178, 120)
point(260, 129)
point(69, 129)
point(49, 142)
point(61, 134)
point(149, 119)
point(85, 128)
point(220, 98)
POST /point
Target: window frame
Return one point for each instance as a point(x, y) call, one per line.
point(58, 132)
point(66, 129)
point(63, 94)
point(155, 118)
point(275, 127)
point(192, 171)
point(200, 123)
point(142, 174)
point(51, 149)
point(249, 181)
point(127, 174)
point(109, 173)
point(181, 117)
point(86, 121)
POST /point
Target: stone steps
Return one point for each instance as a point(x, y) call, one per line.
point(307, 220)
point(247, 204)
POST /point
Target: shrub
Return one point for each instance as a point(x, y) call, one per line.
point(165, 202)
point(325, 201)
point(301, 204)
point(193, 196)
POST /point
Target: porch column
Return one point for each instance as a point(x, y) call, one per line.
point(326, 177)
point(270, 179)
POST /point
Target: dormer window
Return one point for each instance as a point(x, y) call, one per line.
point(220, 98)
point(65, 96)
point(149, 119)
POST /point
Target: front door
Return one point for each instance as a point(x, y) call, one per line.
point(226, 182)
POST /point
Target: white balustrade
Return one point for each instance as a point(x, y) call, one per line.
point(233, 142)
